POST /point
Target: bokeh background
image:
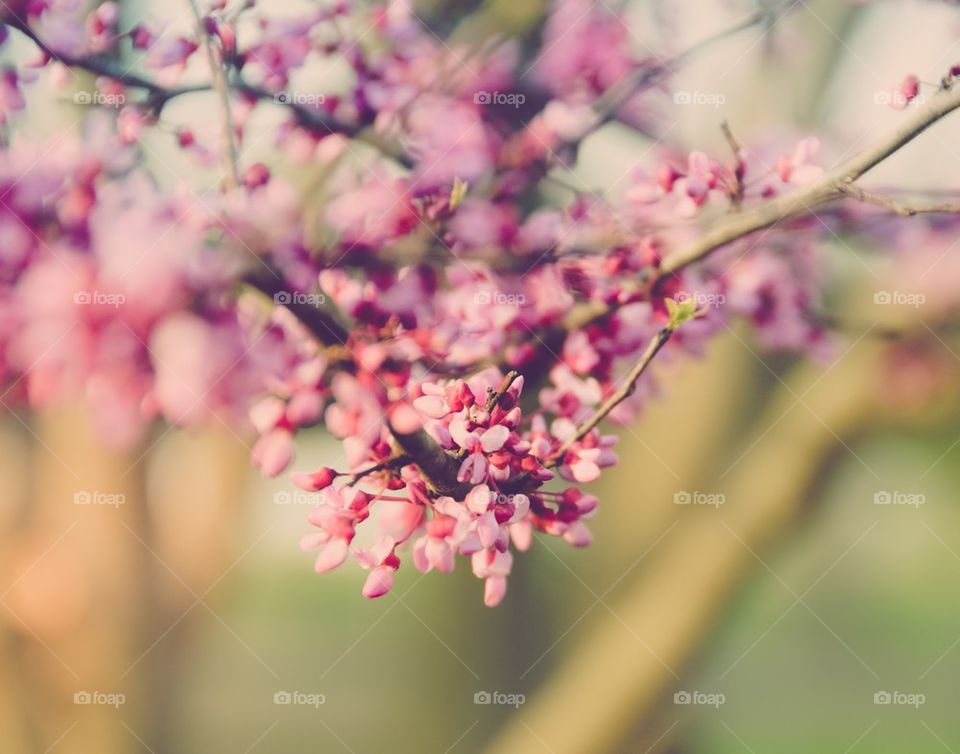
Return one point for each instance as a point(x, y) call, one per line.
point(780, 613)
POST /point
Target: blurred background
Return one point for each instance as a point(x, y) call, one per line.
point(775, 560)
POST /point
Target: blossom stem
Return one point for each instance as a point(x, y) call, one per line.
point(396, 462)
point(218, 78)
point(625, 390)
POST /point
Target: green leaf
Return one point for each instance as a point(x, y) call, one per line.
point(458, 192)
point(682, 311)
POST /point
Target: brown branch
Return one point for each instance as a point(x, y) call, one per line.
point(830, 187)
point(739, 169)
point(608, 105)
point(896, 207)
point(626, 389)
point(494, 398)
point(104, 66)
point(320, 322)
point(439, 466)
point(157, 95)
point(391, 464)
point(218, 77)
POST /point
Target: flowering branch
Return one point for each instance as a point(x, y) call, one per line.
point(905, 210)
point(158, 95)
point(104, 66)
point(829, 188)
point(437, 465)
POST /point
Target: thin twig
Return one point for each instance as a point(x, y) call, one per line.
point(905, 210)
point(218, 77)
point(830, 187)
point(107, 67)
point(608, 105)
point(157, 96)
point(739, 169)
point(396, 462)
point(494, 398)
point(626, 389)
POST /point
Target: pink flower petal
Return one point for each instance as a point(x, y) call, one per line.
point(494, 438)
point(332, 555)
point(378, 583)
point(433, 406)
point(494, 589)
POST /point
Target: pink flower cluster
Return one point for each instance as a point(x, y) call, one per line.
point(478, 423)
point(439, 312)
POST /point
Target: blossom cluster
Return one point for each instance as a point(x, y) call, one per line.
point(455, 325)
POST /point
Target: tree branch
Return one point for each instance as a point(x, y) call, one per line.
point(437, 465)
point(157, 95)
point(905, 210)
point(395, 462)
point(626, 389)
point(830, 187)
point(323, 324)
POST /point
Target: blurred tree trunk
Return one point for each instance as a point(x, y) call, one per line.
point(100, 582)
point(619, 669)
